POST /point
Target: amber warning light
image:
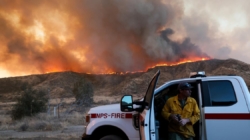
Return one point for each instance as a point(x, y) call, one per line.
point(87, 118)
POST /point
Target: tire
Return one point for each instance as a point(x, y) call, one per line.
point(111, 137)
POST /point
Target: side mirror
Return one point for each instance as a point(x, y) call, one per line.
point(126, 103)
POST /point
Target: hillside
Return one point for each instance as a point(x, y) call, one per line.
point(60, 84)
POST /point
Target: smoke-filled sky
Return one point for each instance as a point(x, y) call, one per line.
point(100, 36)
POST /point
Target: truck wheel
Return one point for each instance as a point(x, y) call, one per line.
point(111, 137)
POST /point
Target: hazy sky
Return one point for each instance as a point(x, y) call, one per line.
point(100, 36)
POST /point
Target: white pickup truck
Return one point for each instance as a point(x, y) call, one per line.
point(224, 102)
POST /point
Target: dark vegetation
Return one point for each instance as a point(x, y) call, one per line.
point(83, 92)
point(29, 103)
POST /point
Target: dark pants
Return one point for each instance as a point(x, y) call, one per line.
point(176, 136)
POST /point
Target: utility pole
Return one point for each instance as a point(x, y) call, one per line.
point(48, 102)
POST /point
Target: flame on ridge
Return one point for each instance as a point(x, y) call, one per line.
point(61, 35)
point(157, 65)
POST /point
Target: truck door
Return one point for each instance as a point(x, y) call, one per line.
point(224, 110)
point(147, 118)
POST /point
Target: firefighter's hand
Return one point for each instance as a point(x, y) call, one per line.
point(184, 121)
point(173, 117)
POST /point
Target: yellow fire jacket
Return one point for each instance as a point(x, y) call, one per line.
point(190, 111)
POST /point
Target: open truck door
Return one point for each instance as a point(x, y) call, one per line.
point(147, 125)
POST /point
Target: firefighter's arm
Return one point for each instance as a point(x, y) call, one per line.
point(196, 114)
point(166, 111)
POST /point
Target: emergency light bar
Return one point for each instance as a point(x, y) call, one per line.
point(197, 74)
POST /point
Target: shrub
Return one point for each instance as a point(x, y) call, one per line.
point(83, 91)
point(24, 127)
point(30, 103)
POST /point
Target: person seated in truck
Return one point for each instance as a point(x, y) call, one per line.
point(182, 112)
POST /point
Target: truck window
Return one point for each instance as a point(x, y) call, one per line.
point(218, 93)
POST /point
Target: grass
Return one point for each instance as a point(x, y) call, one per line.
point(42, 122)
point(68, 115)
point(5, 122)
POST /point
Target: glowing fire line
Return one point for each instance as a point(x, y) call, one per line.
point(157, 65)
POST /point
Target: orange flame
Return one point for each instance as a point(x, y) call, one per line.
point(74, 36)
point(194, 59)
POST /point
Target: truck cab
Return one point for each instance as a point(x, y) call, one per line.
point(224, 102)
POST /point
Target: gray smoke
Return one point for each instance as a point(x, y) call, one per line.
point(90, 35)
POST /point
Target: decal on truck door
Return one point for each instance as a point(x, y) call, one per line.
point(112, 115)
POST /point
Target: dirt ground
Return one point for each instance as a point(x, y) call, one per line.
point(69, 133)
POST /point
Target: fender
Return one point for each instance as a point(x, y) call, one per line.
point(126, 125)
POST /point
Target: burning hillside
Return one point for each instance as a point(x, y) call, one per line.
point(60, 84)
point(91, 36)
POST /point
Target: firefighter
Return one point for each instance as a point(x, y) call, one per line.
point(182, 112)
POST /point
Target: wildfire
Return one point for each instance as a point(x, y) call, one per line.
point(44, 37)
point(157, 65)
point(183, 61)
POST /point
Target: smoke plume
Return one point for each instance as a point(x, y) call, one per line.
point(95, 36)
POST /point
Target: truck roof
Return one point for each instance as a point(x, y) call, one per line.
point(217, 77)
